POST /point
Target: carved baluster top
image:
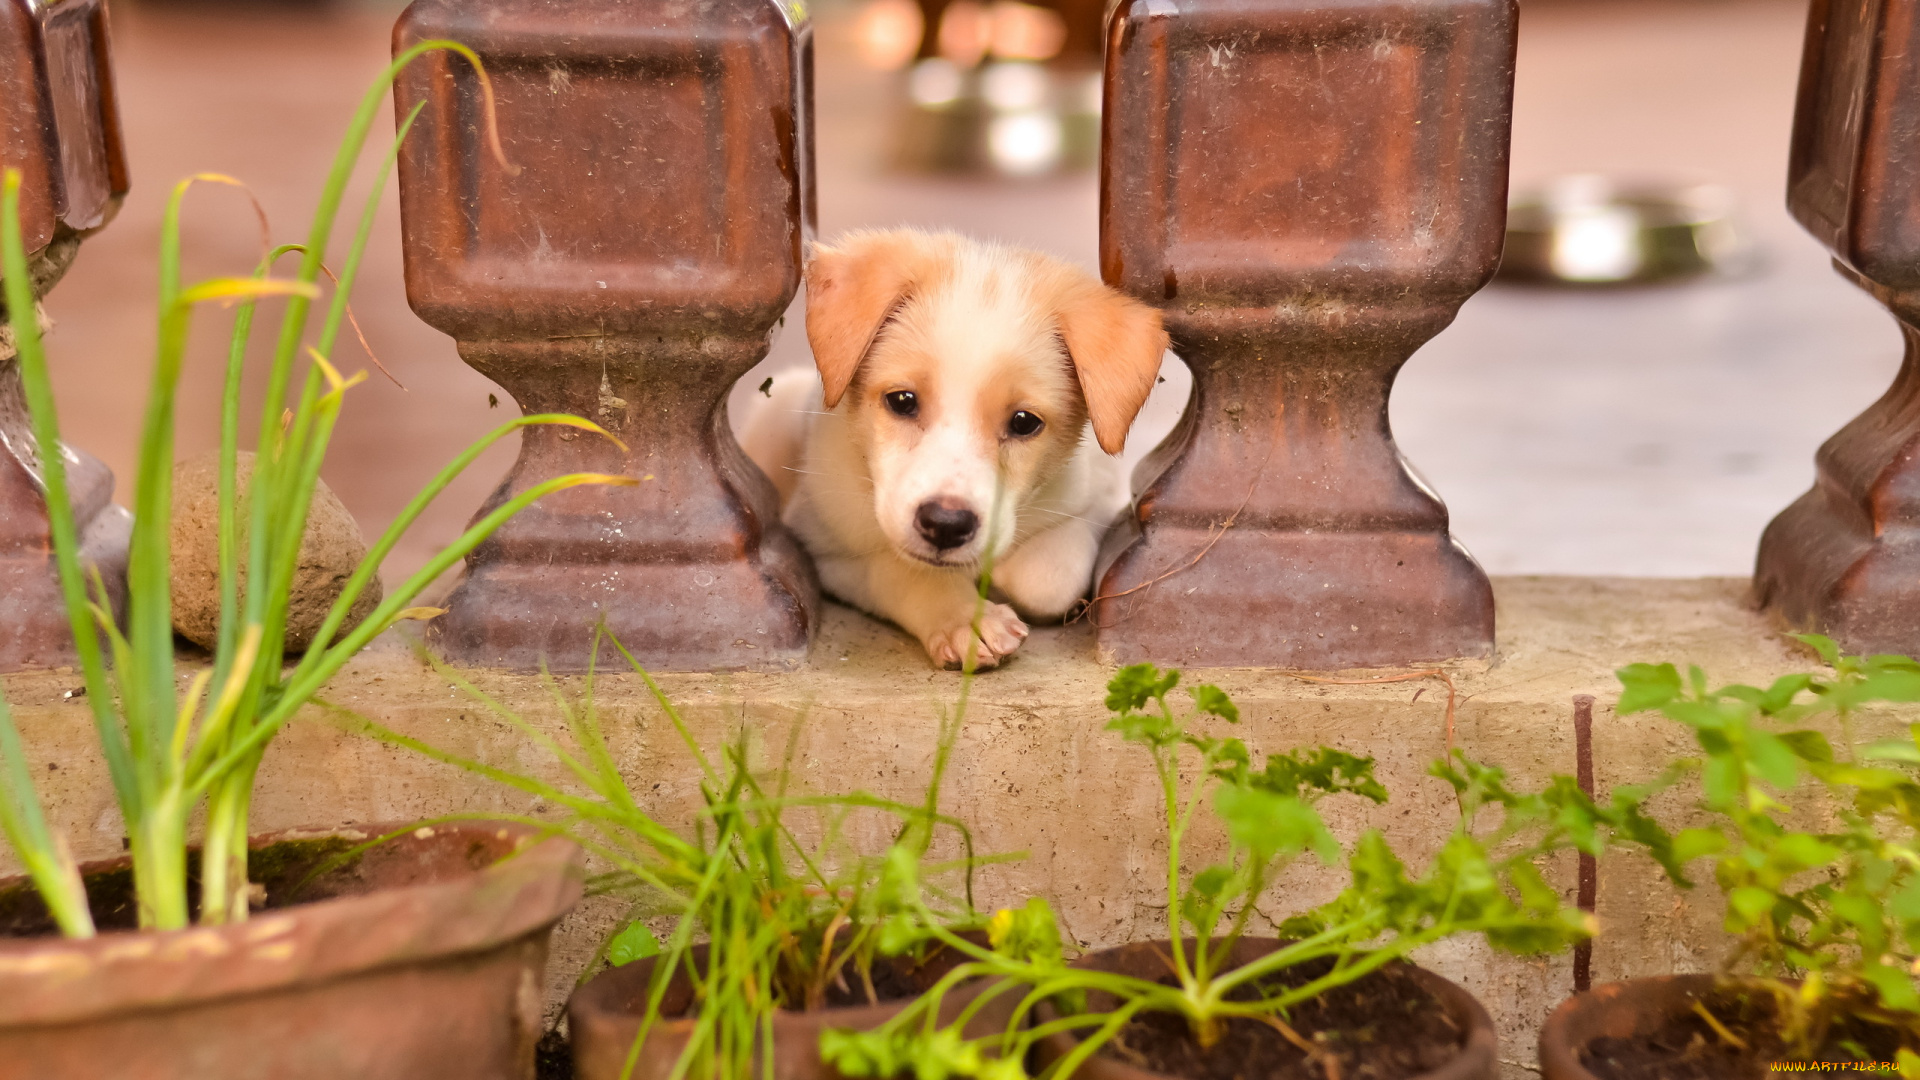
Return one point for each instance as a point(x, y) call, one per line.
point(59, 124)
point(1853, 176)
point(661, 166)
point(1268, 158)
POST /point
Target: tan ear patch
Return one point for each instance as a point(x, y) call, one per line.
point(1115, 343)
point(854, 285)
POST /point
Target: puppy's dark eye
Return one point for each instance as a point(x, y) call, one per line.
point(1023, 424)
point(903, 403)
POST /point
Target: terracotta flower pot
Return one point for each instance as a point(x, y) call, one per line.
point(1476, 1059)
point(1643, 1014)
point(603, 1019)
point(422, 958)
point(1617, 1010)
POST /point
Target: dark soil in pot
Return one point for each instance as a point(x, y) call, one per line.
point(604, 1017)
point(1387, 1025)
point(283, 870)
point(1398, 1023)
point(1648, 1029)
point(553, 1057)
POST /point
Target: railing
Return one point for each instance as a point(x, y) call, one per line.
point(1845, 557)
point(60, 128)
point(1308, 190)
point(626, 264)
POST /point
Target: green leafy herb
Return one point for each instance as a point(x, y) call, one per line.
point(1828, 919)
point(1485, 880)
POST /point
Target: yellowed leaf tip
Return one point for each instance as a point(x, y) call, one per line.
point(335, 384)
point(587, 425)
point(607, 479)
point(240, 288)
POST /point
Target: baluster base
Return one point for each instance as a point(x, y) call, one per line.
point(689, 567)
point(701, 616)
point(1822, 571)
point(1309, 600)
point(1844, 559)
point(34, 629)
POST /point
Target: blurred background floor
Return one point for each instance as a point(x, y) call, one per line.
point(1648, 431)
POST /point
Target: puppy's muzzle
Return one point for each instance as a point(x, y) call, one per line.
point(946, 523)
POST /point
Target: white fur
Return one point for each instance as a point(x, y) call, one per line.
point(852, 478)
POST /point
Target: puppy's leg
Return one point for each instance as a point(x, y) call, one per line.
point(1047, 574)
point(933, 605)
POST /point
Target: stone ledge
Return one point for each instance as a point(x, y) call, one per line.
point(1034, 771)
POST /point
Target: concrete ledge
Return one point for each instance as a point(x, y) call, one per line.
point(1035, 772)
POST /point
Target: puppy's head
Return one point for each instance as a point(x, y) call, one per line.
point(970, 372)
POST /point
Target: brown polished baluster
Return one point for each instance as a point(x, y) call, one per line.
point(58, 127)
point(1845, 558)
point(1309, 189)
point(629, 272)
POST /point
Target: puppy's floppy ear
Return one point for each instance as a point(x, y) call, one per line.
point(1115, 343)
point(851, 289)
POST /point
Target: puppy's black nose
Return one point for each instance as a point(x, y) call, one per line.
point(946, 523)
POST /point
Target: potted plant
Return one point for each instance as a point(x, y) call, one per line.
point(772, 939)
point(1331, 994)
point(1813, 850)
point(429, 960)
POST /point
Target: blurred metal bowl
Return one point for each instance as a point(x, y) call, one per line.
point(1593, 230)
point(1010, 118)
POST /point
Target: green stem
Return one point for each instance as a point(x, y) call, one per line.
point(223, 859)
point(158, 845)
point(1166, 763)
point(25, 826)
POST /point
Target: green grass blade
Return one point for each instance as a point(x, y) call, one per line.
point(25, 826)
point(271, 463)
point(369, 566)
point(293, 323)
point(350, 269)
point(303, 686)
point(148, 709)
point(312, 430)
point(229, 541)
point(66, 545)
point(306, 450)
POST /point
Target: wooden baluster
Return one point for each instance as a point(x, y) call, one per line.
point(59, 127)
point(630, 271)
point(1844, 559)
point(1309, 189)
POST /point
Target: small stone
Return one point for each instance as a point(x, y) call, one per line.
point(330, 552)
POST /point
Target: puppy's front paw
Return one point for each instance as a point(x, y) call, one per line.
point(1001, 632)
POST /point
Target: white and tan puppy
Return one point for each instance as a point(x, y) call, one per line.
point(957, 384)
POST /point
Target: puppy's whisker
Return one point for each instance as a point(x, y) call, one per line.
point(1064, 514)
point(867, 480)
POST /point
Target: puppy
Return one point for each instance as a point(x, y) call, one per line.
point(949, 424)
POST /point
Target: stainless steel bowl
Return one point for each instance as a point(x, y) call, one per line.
point(1593, 230)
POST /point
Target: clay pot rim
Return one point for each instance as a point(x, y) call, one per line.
point(602, 1036)
point(55, 980)
point(1608, 1009)
point(1478, 1055)
point(592, 1010)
